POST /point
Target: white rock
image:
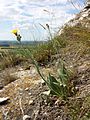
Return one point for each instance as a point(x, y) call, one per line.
point(21, 69)
point(33, 71)
point(30, 102)
point(30, 93)
point(46, 93)
point(4, 99)
point(58, 100)
point(43, 82)
point(26, 89)
point(26, 117)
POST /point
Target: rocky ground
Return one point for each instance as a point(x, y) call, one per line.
point(22, 91)
point(25, 93)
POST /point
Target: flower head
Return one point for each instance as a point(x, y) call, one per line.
point(15, 31)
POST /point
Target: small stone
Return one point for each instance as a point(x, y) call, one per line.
point(21, 69)
point(26, 89)
point(45, 113)
point(33, 72)
point(30, 93)
point(26, 117)
point(20, 93)
point(83, 76)
point(56, 103)
point(46, 93)
point(31, 102)
point(59, 117)
point(77, 88)
point(43, 82)
point(3, 100)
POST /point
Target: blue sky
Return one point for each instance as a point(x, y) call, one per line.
point(27, 15)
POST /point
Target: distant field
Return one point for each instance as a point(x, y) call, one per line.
point(7, 45)
point(14, 43)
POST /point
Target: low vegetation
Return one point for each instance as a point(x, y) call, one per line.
point(73, 47)
point(61, 86)
point(43, 52)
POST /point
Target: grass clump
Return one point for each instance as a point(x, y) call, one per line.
point(77, 33)
point(8, 77)
point(9, 59)
point(43, 52)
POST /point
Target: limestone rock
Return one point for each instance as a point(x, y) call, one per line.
point(46, 93)
point(80, 19)
point(31, 102)
point(26, 117)
point(3, 100)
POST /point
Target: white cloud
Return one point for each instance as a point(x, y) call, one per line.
point(16, 9)
point(25, 13)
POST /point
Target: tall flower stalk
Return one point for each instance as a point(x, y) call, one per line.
point(58, 86)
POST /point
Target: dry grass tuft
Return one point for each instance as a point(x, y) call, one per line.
point(7, 77)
